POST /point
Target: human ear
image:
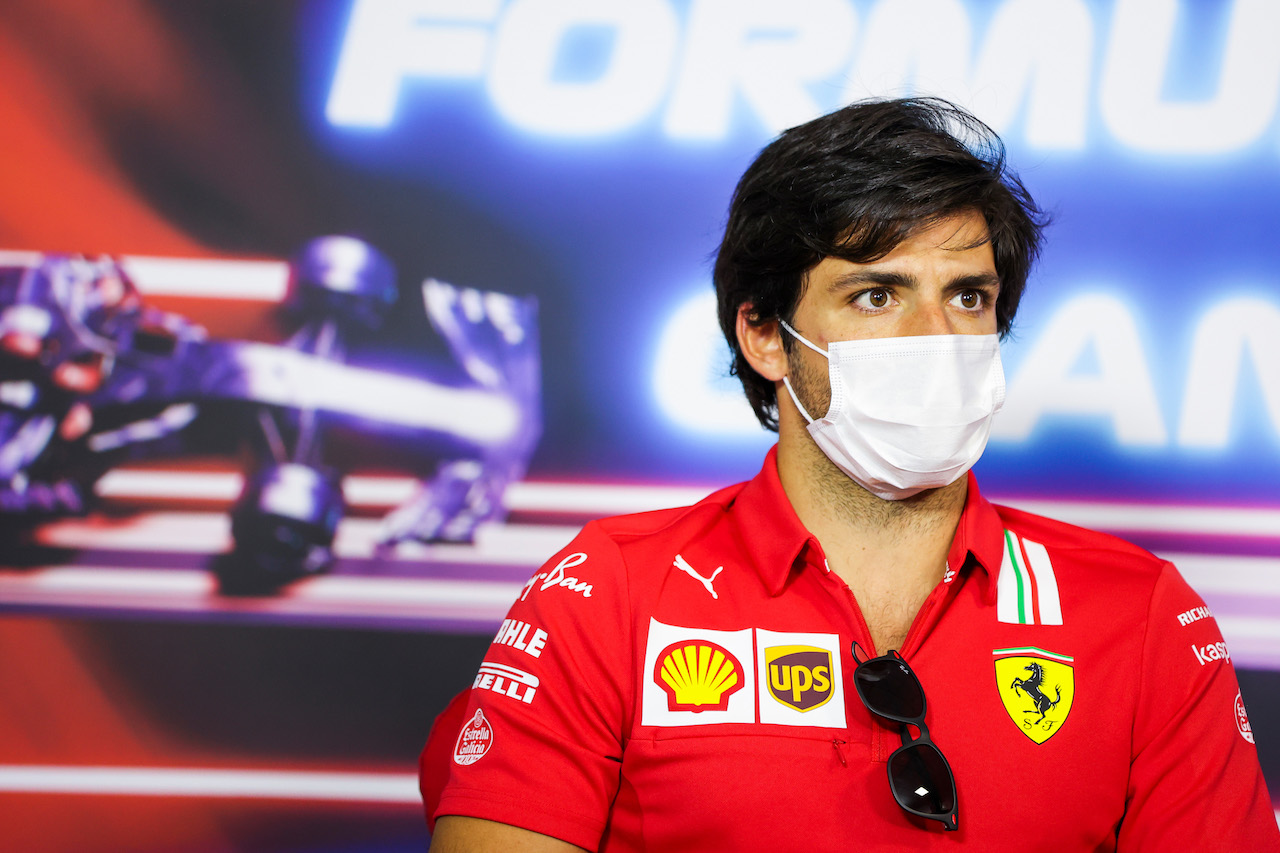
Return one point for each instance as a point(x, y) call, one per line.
point(761, 344)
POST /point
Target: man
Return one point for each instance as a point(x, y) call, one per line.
point(855, 650)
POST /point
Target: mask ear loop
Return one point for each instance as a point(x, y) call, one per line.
point(786, 380)
point(802, 339)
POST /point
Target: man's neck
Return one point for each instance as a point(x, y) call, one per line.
point(875, 545)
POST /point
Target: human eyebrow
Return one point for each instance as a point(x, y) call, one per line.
point(859, 279)
point(976, 281)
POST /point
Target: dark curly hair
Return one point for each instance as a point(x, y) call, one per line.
point(854, 184)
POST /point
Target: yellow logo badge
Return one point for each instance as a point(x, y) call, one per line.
point(1037, 688)
point(698, 675)
point(799, 676)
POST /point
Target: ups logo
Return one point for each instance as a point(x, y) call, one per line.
point(799, 676)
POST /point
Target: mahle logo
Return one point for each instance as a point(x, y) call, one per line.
point(799, 676)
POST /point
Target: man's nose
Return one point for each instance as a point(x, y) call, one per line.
point(931, 319)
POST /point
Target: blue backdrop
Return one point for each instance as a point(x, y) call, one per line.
point(605, 139)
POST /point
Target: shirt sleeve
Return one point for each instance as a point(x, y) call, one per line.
point(540, 742)
point(1194, 782)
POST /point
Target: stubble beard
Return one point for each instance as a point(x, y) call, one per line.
point(839, 492)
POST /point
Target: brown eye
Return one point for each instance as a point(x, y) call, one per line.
point(878, 298)
point(970, 299)
point(875, 299)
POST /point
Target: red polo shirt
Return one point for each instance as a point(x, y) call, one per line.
point(682, 680)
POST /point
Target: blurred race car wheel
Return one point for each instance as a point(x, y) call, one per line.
point(283, 526)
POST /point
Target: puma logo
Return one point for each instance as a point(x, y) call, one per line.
point(683, 565)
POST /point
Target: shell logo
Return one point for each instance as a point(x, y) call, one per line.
point(698, 675)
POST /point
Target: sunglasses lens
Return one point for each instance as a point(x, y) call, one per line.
point(921, 780)
point(889, 688)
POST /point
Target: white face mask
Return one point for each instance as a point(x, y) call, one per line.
point(907, 414)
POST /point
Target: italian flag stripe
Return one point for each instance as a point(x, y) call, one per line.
point(1050, 606)
point(1008, 587)
point(1035, 587)
point(1027, 589)
point(1033, 651)
point(1021, 581)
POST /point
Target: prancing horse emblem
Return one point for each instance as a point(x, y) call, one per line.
point(1031, 687)
point(683, 565)
point(1045, 680)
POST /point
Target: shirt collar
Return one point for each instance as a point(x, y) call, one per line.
point(763, 516)
point(980, 533)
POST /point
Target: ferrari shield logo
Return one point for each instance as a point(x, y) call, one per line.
point(1037, 688)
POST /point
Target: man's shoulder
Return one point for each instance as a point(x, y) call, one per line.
point(626, 554)
point(1077, 576)
point(1082, 545)
point(660, 527)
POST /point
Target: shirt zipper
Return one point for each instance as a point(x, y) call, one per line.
point(884, 740)
point(916, 630)
point(879, 750)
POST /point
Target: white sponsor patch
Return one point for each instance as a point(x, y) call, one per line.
point(507, 680)
point(558, 577)
point(1212, 652)
point(800, 681)
point(1242, 720)
point(522, 636)
point(474, 740)
point(697, 677)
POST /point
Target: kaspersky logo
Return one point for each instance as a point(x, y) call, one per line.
point(799, 676)
point(698, 675)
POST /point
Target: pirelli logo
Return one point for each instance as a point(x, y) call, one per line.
point(507, 680)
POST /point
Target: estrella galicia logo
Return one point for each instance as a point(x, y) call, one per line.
point(1037, 688)
point(474, 740)
point(1242, 719)
point(799, 676)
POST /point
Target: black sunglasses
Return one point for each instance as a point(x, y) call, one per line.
point(919, 775)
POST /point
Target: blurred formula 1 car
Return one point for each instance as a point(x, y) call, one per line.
point(89, 375)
